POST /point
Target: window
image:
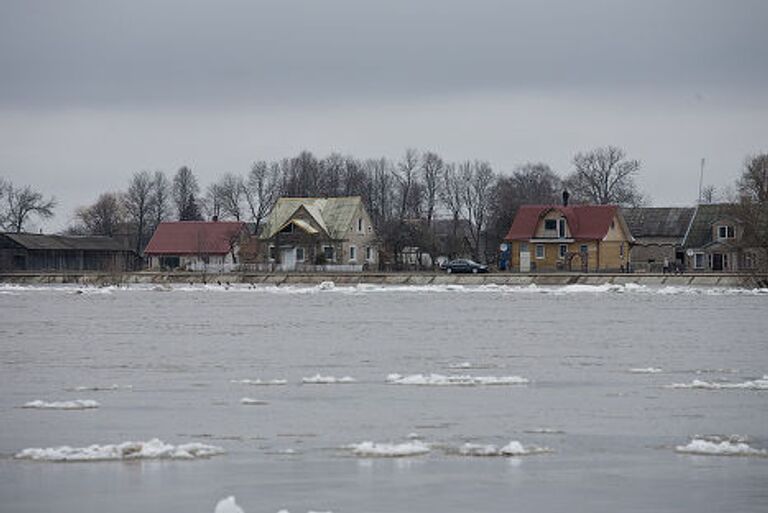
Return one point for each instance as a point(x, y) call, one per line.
point(352, 253)
point(583, 249)
point(550, 224)
point(523, 247)
point(698, 261)
point(369, 253)
point(621, 250)
point(272, 253)
point(328, 253)
point(360, 225)
point(540, 251)
point(749, 260)
point(725, 232)
point(299, 254)
point(288, 228)
point(561, 228)
point(563, 250)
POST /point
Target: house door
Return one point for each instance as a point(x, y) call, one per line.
point(525, 261)
point(288, 259)
point(717, 261)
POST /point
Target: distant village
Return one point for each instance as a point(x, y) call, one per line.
point(419, 214)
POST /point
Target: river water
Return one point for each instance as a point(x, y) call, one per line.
point(598, 412)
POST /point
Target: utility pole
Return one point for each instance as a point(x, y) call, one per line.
point(701, 179)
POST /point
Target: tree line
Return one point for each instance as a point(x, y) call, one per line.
point(419, 200)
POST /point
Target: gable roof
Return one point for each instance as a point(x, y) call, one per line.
point(658, 221)
point(700, 233)
point(194, 237)
point(586, 222)
point(34, 241)
point(333, 215)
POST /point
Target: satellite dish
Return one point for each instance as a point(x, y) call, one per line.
point(689, 252)
point(504, 246)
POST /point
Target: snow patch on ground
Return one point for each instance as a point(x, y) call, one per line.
point(153, 449)
point(259, 382)
point(645, 370)
point(463, 380)
point(77, 404)
point(757, 384)
point(317, 379)
point(720, 446)
point(247, 401)
point(513, 448)
point(386, 450)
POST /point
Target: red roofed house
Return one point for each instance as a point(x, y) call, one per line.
point(195, 245)
point(584, 238)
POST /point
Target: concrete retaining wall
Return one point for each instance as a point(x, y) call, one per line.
point(704, 280)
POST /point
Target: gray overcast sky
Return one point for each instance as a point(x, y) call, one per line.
point(91, 91)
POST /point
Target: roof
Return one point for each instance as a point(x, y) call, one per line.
point(700, 233)
point(586, 222)
point(194, 237)
point(33, 241)
point(658, 222)
point(333, 215)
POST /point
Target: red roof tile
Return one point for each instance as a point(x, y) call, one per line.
point(586, 222)
point(194, 237)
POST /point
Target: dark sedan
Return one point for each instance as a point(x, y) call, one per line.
point(465, 266)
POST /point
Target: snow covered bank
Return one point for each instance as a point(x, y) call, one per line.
point(373, 449)
point(513, 448)
point(757, 384)
point(720, 446)
point(77, 404)
point(151, 450)
point(259, 382)
point(463, 380)
point(317, 379)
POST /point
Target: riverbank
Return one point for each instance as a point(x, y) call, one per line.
point(515, 279)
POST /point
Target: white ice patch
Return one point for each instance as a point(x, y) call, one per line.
point(317, 379)
point(77, 404)
point(151, 450)
point(102, 388)
point(720, 446)
point(463, 380)
point(247, 401)
point(228, 505)
point(327, 285)
point(372, 449)
point(757, 384)
point(513, 448)
point(259, 382)
point(645, 370)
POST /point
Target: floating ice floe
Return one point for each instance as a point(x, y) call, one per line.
point(259, 382)
point(77, 404)
point(720, 446)
point(229, 505)
point(645, 370)
point(317, 379)
point(153, 449)
point(373, 449)
point(757, 384)
point(327, 285)
point(247, 401)
point(513, 448)
point(463, 380)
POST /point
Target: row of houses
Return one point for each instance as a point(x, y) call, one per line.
point(338, 234)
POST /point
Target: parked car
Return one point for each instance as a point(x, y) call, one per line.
point(465, 266)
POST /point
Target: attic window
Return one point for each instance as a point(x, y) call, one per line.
point(288, 228)
point(550, 224)
point(360, 224)
point(725, 232)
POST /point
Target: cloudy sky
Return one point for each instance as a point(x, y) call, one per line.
point(91, 91)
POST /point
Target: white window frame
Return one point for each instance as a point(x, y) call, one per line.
point(726, 228)
point(353, 254)
point(561, 231)
point(562, 251)
point(696, 257)
point(543, 249)
point(325, 253)
point(303, 254)
point(368, 253)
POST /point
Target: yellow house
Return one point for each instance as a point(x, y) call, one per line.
point(583, 238)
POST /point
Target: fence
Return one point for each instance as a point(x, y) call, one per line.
point(273, 268)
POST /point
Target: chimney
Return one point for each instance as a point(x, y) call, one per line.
point(215, 219)
point(566, 195)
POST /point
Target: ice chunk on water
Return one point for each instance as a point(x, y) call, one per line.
point(259, 382)
point(317, 379)
point(327, 285)
point(463, 380)
point(757, 384)
point(369, 449)
point(77, 404)
point(718, 446)
point(228, 505)
point(645, 370)
point(252, 402)
point(153, 449)
point(513, 448)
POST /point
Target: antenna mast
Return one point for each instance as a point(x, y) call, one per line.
point(701, 179)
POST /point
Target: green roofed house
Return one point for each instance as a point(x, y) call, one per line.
point(318, 233)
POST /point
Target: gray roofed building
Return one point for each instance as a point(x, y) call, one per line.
point(659, 233)
point(38, 252)
point(714, 241)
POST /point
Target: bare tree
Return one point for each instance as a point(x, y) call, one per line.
point(752, 209)
point(432, 167)
point(185, 191)
point(709, 194)
point(262, 190)
point(380, 202)
point(21, 203)
point(478, 180)
point(138, 205)
point(406, 180)
point(225, 198)
point(102, 218)
point(605, 176)
point(160, 201)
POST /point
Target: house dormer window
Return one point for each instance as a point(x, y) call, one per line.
point(550, 224)
point(725, 232)
point(561, 227)
point(360, 225)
